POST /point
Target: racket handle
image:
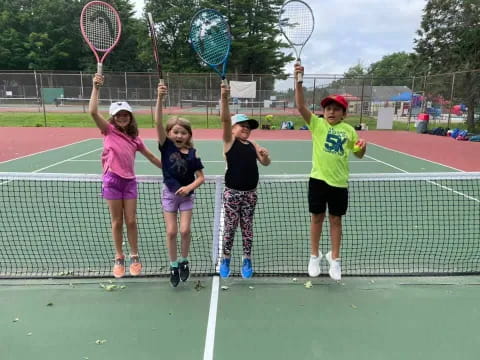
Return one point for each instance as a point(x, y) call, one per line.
point(100, 68)
point(299, 75)
point(161, 82)
point(224, 82)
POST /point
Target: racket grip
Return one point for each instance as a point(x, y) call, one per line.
point(161, 82)
point(100, 68)
point(299, 75)
point(224, 82)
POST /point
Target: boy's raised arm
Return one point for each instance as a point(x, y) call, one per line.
point(299, 97)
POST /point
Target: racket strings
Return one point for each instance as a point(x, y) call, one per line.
point(210, 37)
point(296, 22)
point(101, 26)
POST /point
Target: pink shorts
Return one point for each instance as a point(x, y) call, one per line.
point(115, 187)
point(174, 203)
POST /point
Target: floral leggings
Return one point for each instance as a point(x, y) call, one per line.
point(239, 207)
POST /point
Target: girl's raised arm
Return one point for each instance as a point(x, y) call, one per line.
point(161, 134)
point(102, 124)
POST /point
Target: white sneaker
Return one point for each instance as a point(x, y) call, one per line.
point(335, 270)
point(314, 265)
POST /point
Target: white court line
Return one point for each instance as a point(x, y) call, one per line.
point(45, 151)
point(64, 161)
point(416, 157)
point(433, 182)
point(212, 321)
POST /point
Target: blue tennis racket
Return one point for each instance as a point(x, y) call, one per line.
point(211, 39)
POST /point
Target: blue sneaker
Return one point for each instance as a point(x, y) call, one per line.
point(247, 269)
point(225, 268)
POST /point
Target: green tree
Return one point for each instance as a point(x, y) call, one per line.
point(448, 41)
point(394, 69)
point(256, 42)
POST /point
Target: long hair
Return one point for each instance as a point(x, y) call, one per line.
point(131, 129)
point(176, 120)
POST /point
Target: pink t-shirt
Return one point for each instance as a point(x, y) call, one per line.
point(119, 152)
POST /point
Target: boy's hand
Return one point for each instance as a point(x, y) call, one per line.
point(98, 80)
point(361, 144)
point(225, 92)
point(298, 69)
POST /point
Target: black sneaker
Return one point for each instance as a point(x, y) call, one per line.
point(184, 270)
point(174, 276)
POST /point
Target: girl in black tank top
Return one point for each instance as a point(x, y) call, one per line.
point(241, 179)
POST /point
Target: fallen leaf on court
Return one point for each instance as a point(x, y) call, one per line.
point(100, 342)
point(198, 285)
point(224, 287)
point(308, 284)
point(354, 306)
point(111, 287)
point(50, 304)
point(29, 334)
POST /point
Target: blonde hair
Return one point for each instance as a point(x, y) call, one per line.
point(176, 120)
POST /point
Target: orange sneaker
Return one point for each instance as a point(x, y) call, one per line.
point(135, 265)
point(119, 267)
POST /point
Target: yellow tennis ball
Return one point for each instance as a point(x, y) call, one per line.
point(268, 117)
point(356, 148)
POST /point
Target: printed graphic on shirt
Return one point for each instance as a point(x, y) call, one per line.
point(335, 141)
point(179, 164)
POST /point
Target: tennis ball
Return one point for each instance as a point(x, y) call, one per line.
point(269, 117)
point(356, 148)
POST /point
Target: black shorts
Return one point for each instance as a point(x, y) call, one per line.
point(321, 195)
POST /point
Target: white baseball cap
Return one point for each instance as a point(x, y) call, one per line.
point(239, 118)
point(119, 106)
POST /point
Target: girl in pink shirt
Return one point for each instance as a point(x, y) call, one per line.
point(119, 187)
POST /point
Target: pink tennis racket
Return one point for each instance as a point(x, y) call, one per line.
point(101, 29)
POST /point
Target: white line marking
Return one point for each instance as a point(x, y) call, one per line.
point(44, 151)
point(212, 320)
point(64, 161)
point(416, 157)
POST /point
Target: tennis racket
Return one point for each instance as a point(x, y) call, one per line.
point(296, 22)
point(211, 40)
point(153, 37)
point(101, 29)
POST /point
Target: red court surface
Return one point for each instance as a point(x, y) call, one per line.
point(462, 155)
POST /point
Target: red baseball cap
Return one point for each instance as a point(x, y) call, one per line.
point(339, 99)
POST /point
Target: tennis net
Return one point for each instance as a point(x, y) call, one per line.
point(58, 225)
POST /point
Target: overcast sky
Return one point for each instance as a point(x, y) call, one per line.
point(349, 32)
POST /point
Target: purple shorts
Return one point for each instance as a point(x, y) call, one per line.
point(174, 203)
point(115, 187)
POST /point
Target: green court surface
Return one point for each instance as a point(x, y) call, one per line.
point(261, 318)
point(359, 318)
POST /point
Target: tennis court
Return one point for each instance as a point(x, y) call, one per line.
point(73, 311)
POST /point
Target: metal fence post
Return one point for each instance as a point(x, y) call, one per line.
point(451, 100)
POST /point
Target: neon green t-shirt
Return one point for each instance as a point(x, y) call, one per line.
point(331, 147)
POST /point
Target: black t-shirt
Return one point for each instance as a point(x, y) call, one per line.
point(242, 168)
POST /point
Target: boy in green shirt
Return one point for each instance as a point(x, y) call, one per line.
point(333, 140)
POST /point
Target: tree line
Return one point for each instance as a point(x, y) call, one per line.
point(45, 35)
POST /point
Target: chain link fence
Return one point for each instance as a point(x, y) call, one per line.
point(447, 98)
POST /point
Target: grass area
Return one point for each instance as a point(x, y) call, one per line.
point(29, 119)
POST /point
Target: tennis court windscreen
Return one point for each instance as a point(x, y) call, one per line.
point(58, 225)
